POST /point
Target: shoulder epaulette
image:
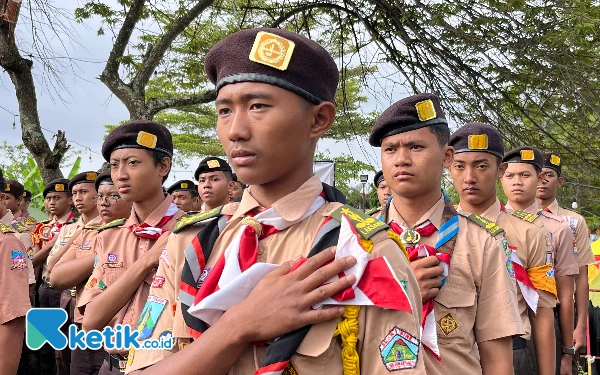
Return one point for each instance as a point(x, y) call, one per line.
point(364, 224)
point(523, 215)
point(30, 220)
point(45, 221)
point(19, 227)
point(112, 224)
point(93, 226)
point(491, 227)
point(73, 220)
point(5, 229)
point(192, 218)
point(373, 210)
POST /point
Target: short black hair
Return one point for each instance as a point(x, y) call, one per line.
point(228, 176)
point(441, 132)
point(2, 182)
point(158, 157)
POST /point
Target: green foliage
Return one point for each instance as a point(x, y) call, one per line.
point(18, 165)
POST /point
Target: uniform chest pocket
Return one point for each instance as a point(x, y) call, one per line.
point(455, 314)
point(112, 274)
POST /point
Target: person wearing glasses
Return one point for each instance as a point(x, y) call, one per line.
point(76, 265)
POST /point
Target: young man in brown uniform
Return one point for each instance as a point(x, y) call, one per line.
point(383, 194)
point(184, 194)
point(26, 217)
point(477, 304)
point(215, 181)
point(14, 197)
point(478, 153)
point(139, 153)
point(76, 265)
point(213, 172)
point(14, 303)
point(521, 173)
point(271, 112)
point(546, 197)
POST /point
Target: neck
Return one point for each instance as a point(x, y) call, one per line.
point(89, 216)
point(545, 202)
point(61, 215)
point(480, 208)
point(412, 209)
point(269, 193)
point(208, 207)
point(521, 205)
point(143, 209)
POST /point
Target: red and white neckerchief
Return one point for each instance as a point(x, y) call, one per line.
point(518, 271)
point(57, 226)
point(144, 230)
point(236, 272)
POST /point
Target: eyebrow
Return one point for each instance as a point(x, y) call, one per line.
point(398, 143)
point(245, 97)
point(125, 158)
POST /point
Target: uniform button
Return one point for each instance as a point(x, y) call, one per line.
point(142, 246)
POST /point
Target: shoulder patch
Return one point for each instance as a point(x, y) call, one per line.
point(30, 220)
point(19, 227)
point(194, 218)
point(523, 215)
point(491, 227)
point(5, 229)
point(45, 221)
point(364, 224)
point(112, 224)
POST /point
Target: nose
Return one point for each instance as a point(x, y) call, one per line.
point(238, 126)
point(402, 157)
point(470, 176)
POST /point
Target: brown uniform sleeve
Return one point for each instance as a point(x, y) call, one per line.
point(26, 241)
point(585, 255)
point(92, 287)
point(14, 279)
point(497, 312)
point(565, 259)
point(165, 287)
point(383, 332)
point(538, 248)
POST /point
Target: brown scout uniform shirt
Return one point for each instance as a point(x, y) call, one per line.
point(66, 232)
point(565, 259)
point(124, 248)
point(320, 352)
point(81, 247)
point(47, 236)
point(14, 283)
point(477, 303)
point(25, 239)
point(532, 243)
point(579, 230)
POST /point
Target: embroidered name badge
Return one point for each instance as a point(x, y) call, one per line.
point(399, 350)
point(18, 260)
point(112, 258)
point(478, 142)
point(272, 50)
point(112, 265)
point(150, 315)
point(426, 110)
point(203, 276)
point(448, 324)
point(158, 281)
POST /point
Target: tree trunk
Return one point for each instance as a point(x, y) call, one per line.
point(19, 71)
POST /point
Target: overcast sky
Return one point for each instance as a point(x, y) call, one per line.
point(88, 105)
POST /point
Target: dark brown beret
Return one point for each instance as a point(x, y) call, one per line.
point(478, 137)
point(185, 185)
point(27, 194)
point(103, 178)
point(14, 188)
point(211, 164)
point(408, 114)
point(526, 154)
point(278, 57)
point(145, 134)
point(378, 178)
point(83, 178)
point(60, 185)
point(552, 160)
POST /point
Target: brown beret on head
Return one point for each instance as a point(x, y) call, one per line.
point(83, 178)
point(478, 137)
point(552, 160)
point(14, 188)
point(378, 178)
point(211, 164)
point(526, 154)
point(278, 57)
point(27, 194)
point(103, 178)
point(60, 185)
point(182, 185)
point(145, 134)
point(408, 114)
